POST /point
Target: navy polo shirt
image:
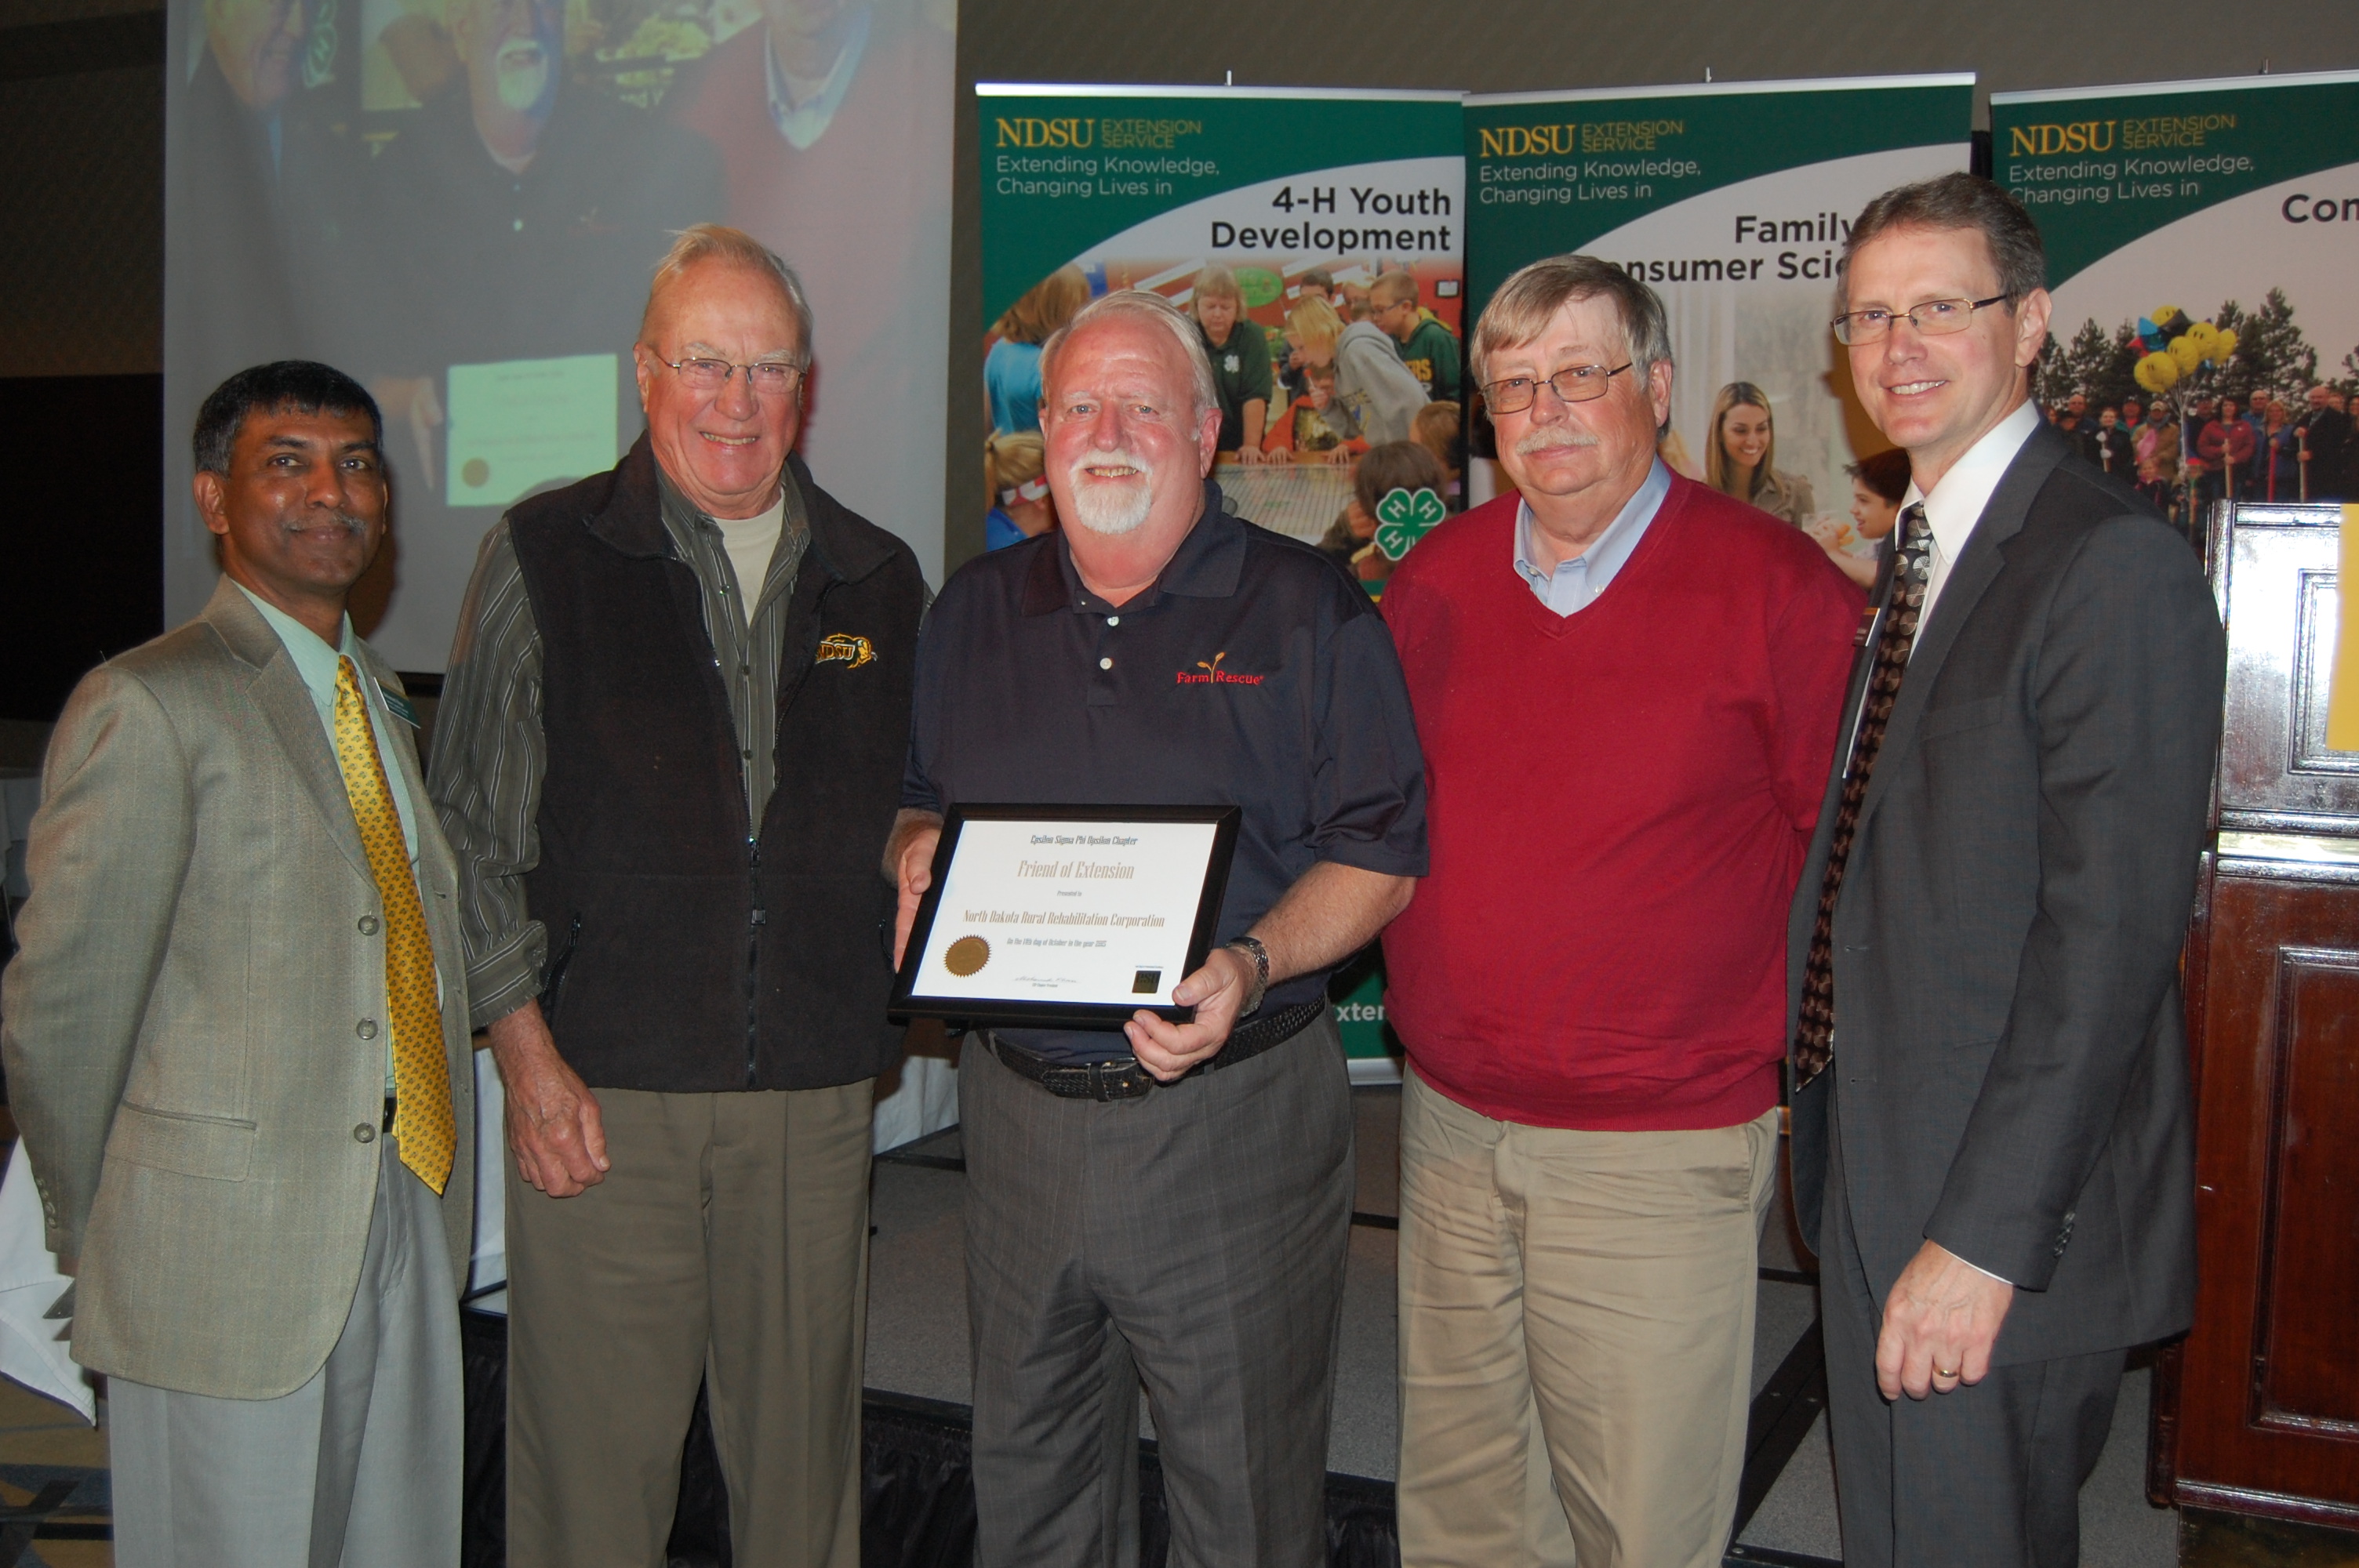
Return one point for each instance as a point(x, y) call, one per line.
point(1252, 673)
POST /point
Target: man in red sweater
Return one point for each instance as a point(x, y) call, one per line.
point(1626, 686)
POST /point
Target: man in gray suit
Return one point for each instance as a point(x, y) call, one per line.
point(1992, 1147)
point(237, 1035)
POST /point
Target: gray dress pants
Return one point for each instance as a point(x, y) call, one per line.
point(1198, 1234)
point(1987, 1476)
point(360, 1466)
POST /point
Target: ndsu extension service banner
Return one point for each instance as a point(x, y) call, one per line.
point(2199, 245)
point(1091, 189)
point(1732, 200)
point(1305, 198)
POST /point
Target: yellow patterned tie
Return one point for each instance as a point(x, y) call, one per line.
point(422, 1121)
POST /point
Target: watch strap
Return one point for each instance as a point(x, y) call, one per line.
point(1251, 948)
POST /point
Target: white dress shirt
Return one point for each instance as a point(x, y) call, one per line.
point(1957, 502)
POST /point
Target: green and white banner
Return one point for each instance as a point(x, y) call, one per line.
point(1732, 200)
point(1091, 189)
point(2201, 242)
point(1302, 200)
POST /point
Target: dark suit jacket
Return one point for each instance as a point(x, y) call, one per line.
point(2010, 1068)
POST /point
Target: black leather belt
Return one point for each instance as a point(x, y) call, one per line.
point(1124, 1078)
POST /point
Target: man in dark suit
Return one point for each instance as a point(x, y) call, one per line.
point(1992, 1147)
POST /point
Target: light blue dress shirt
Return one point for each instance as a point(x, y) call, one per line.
point(1575, 584)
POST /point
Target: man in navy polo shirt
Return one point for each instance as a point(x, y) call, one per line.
point(1177, 1212)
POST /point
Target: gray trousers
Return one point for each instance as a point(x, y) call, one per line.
point(728, 1245)
point(360, 1466)
point(1987, 1476)
point(1197, 1234)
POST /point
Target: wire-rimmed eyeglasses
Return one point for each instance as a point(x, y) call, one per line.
point(767, 377)
point(1934, 318)
point(1575, 384)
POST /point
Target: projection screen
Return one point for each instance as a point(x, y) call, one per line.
point(459, 203)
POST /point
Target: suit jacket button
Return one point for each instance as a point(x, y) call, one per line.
point(365, 1029)
point(363, 1134)
point(368, 925)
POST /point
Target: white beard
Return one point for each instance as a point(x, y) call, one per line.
point(1108, 508)
point(523, 68)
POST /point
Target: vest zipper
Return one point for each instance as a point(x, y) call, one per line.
point(756, 918)
point(555, 985)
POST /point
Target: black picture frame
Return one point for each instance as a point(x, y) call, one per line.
point(907, 1003)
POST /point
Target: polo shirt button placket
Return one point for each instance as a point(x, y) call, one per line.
point(1102, 687)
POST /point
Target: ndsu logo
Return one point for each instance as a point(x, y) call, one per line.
point(2048, 141)
point(1024, 131)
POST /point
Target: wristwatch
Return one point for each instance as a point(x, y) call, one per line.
point(1251, 948)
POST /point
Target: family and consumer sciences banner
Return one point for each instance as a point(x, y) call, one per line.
point(2200, 235)
point(1091, 189)
point(1732, 201)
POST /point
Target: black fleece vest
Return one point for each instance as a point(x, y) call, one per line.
point(688, 955)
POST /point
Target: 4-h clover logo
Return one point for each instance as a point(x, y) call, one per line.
point(1405, 517)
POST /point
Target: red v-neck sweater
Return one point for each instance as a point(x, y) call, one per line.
point(1618, 803)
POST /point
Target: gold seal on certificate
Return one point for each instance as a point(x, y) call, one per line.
point(1066, 917)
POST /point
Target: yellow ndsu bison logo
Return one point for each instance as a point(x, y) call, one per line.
point(844, 647)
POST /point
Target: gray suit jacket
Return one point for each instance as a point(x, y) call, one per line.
point(184, 1024)
point(2010, 1070)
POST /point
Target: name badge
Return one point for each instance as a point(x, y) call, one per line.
point(398, 706)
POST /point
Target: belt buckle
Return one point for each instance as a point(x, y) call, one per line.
point(1110, 1081)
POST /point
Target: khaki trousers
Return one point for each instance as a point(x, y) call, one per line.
point(1576, 1337)
point(728, 1243)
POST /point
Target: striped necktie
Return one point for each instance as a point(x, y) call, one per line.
point(423, 1124)
point(1814, 1032)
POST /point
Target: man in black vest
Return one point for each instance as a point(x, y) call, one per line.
point(670, 753)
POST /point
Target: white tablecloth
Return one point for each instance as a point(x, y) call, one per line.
point(32, 1345)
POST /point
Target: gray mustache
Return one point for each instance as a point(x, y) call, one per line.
point(1555, 436)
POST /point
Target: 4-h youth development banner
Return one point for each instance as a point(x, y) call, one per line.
point(1306, 198)
point(2200, 243)
point(1732, 200)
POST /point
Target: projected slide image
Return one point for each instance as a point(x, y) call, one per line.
point(460, 204)
point(522, 425)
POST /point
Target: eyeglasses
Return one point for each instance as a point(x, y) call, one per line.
point(1575, 384)
point(767, 377)
point(1934, 318)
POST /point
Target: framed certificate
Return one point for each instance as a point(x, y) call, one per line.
point(1065, 916)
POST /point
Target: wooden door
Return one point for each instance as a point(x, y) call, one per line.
point(2267, 1416)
